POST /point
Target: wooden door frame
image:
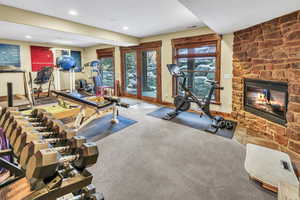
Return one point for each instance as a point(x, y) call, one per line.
point(158, 98)
point(154, 46)
point(108, 53)
point(123, 71)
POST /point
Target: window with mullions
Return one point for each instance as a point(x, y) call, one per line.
point(107, 68)
point(130, 72)
point(107, 71)
point(200, 63)
point(198, 70)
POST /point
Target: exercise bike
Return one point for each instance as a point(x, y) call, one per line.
point(183, 103)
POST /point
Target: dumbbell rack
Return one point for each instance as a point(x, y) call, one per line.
point(16, 172)
point(59, 187)
point(54, 187)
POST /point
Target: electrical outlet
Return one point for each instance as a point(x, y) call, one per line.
point(227, 76)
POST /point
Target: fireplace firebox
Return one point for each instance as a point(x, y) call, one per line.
point(267, 99)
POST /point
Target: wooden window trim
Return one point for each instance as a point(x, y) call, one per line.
point(108, 53)
point(196, 55)
point(156, 44)
point(193, 42)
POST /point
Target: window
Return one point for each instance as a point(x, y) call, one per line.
point(199, 58)
point(149, 73)
point(107, 71)
point(77, 56)
point(106, 58)
point(130, 72)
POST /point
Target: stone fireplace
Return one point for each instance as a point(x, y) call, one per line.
point(269, 53)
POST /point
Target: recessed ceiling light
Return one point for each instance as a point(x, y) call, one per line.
point(28, 36)
point(73, 12)
point(125, 28)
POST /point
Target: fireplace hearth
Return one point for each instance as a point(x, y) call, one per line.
point(267, 99)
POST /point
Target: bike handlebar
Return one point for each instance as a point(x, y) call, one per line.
point(215, 84)
point(212, 82)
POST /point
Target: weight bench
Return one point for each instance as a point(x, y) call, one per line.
point(90, 110)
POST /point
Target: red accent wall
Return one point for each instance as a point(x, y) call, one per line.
point(41, 57)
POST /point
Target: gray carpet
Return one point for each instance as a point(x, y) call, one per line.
point(157, 159)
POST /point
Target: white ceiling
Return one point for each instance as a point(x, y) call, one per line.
point(142, 17)
point(14, 31)
point(226, 16)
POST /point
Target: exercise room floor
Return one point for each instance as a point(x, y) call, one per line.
point(157, 159)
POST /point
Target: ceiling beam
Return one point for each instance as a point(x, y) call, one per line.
point(20, 16)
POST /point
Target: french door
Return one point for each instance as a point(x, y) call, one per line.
point(141, 73)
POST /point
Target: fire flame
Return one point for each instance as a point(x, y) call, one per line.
point(261, 99)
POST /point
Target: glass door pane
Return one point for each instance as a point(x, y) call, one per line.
point(149, 74)
point(107, 71)
point(130, 73)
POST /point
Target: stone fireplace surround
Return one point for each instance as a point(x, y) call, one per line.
point(269, 51)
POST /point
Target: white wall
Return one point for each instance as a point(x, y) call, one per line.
point(25, 57)
point(226, 74)
point(166, 58)
point(89, 54)
point(226, 65)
